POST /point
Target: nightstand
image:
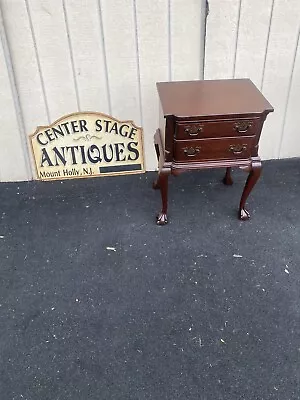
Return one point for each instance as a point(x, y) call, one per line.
point(209, 124)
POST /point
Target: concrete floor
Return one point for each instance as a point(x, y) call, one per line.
point(97, 302)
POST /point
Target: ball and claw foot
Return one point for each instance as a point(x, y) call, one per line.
point(155, 185)
point(161, 219)
point(244, 214)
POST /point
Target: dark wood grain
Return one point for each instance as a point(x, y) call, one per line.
point(209, 124)
point(251, 181)
point(217, 128)
point(218, 97)
point(227, 180)
point(213, 149)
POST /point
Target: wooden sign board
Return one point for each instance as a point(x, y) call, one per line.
point(87, 144)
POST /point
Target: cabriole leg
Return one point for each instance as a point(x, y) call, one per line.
point(162, 184)
point(250, 183)
point(227, 180)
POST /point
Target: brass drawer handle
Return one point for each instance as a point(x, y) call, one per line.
point(191, 151)
point(243, 126)
point(193, 130)
point(237, 149)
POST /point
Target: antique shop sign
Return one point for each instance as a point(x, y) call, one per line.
point(89, 144)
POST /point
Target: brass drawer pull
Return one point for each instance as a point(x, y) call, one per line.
point(191, 151)
point(237, 149)
point(193, 130)
point(243, 126)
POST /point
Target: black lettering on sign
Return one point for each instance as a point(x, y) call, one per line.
point(106, 158)
point(59, 155)
point(132, 133)
point(73, 148)
point(49, 135)
point(119, 150)
point(82, 123)
point(45, 158)
point(87, 171)
point(131, 149)
point(98, 125)
point(82, 154)
point(65, 124)
point(106, 125)
point(122, 133)
point(114, 128)
point(75, 126)
point(39, 140)
point(93, 154)
point(58, 131)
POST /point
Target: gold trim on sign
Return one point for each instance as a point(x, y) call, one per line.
point(91, 113)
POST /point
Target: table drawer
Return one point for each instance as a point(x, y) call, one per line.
point(212, 129)
point(213, 149)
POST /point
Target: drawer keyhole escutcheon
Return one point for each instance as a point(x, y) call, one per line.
point(237, 149)
point(191, 151)
point(243, 126)
point(193, 130)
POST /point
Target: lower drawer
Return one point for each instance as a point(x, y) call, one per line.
point(213, 149)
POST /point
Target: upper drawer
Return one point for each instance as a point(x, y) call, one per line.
point(214, 129)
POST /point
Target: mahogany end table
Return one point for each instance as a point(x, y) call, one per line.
point(209, 124)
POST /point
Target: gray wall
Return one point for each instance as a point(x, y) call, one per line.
point(63, 56)
point(259, 39)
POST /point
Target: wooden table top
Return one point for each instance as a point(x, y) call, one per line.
point(211, 97)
